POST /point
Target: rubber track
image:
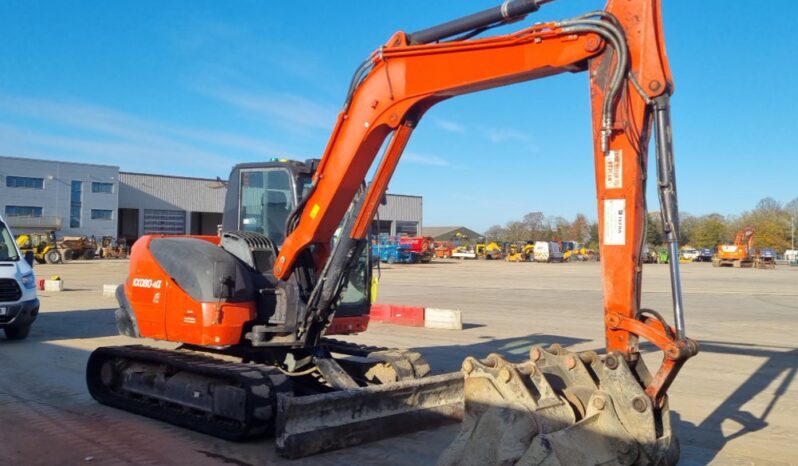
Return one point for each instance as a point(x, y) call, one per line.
point(260, 383)
point(408, 364)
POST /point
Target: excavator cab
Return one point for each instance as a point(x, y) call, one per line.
point(260, 198)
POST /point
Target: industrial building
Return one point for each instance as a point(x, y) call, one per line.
point(71, 198)
point(400, 215)
point(99, 200)
point(174, 205)
point(455, 233)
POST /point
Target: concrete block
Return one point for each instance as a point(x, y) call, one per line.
point(109, 291)
point(411, 316)
point(443, 318)
point(379, 312)
point(53, 285)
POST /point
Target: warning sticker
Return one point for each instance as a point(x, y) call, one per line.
point(613, 170)
point(615, 222)
point(314, 211)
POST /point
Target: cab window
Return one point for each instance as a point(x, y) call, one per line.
point(266, 201)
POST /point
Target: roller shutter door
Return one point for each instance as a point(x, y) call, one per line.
point(166, 222)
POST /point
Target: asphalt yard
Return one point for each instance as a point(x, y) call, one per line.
point(735, 403)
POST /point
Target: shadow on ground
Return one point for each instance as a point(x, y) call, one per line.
point(449, 358)
point(777, 362)
point(702, 441)
point(62, 325)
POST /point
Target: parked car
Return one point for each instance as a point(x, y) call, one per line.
point(765, 258)
point(705, 255)
point(690, 254)
point(767, 253)
point(19, 305)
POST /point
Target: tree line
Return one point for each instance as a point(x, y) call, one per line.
point(774, 225)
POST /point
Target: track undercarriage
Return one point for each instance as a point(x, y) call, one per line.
point(233, 396)
point(556, 408)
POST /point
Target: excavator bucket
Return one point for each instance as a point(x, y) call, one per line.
point(312, 424)
point(560, 409)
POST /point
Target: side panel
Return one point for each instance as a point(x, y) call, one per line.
point(146, 288)
point(208, 324)
point(164, 311)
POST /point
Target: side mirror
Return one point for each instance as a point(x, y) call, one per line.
point(29, 258)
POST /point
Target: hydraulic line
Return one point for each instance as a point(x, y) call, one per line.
point(360, 73)
point(609, 31)
point(608, 28)
point(666, 188)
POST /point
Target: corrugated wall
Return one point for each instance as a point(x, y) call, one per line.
point(402, 208)
point(140, 191)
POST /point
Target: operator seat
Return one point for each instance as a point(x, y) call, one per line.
point(277, 210)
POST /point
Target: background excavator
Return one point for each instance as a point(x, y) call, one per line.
point(253, 305)
point(739, 254)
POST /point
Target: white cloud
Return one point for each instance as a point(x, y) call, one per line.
point(499, 135)
point(449, 125)
point(287, 110)
point(423, 159)
point(105, 135)
point(144, 155)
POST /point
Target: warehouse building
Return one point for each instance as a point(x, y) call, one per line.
point(72, 198)
point(99, 200)
point(172, 205)
point(400, 215)
point(455, 234)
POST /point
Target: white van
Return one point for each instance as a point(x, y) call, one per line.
point(19, 305)
point(547, 251)
point(690, 254)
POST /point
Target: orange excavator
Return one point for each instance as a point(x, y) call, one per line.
point(252, 307)
point(739, 254)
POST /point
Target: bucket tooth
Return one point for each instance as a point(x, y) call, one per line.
point(559, 408)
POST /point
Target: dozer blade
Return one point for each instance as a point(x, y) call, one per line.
point(560, 409)
point(313, 424)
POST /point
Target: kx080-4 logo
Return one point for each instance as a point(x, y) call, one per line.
point(147, 283)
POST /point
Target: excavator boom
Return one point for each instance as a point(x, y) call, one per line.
point(621, 46)
point(622, 49)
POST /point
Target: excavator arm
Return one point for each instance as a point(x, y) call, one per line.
point(622, 50)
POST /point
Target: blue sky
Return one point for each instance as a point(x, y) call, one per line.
point(190, 88)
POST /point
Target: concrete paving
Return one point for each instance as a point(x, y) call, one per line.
point(735, 403)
